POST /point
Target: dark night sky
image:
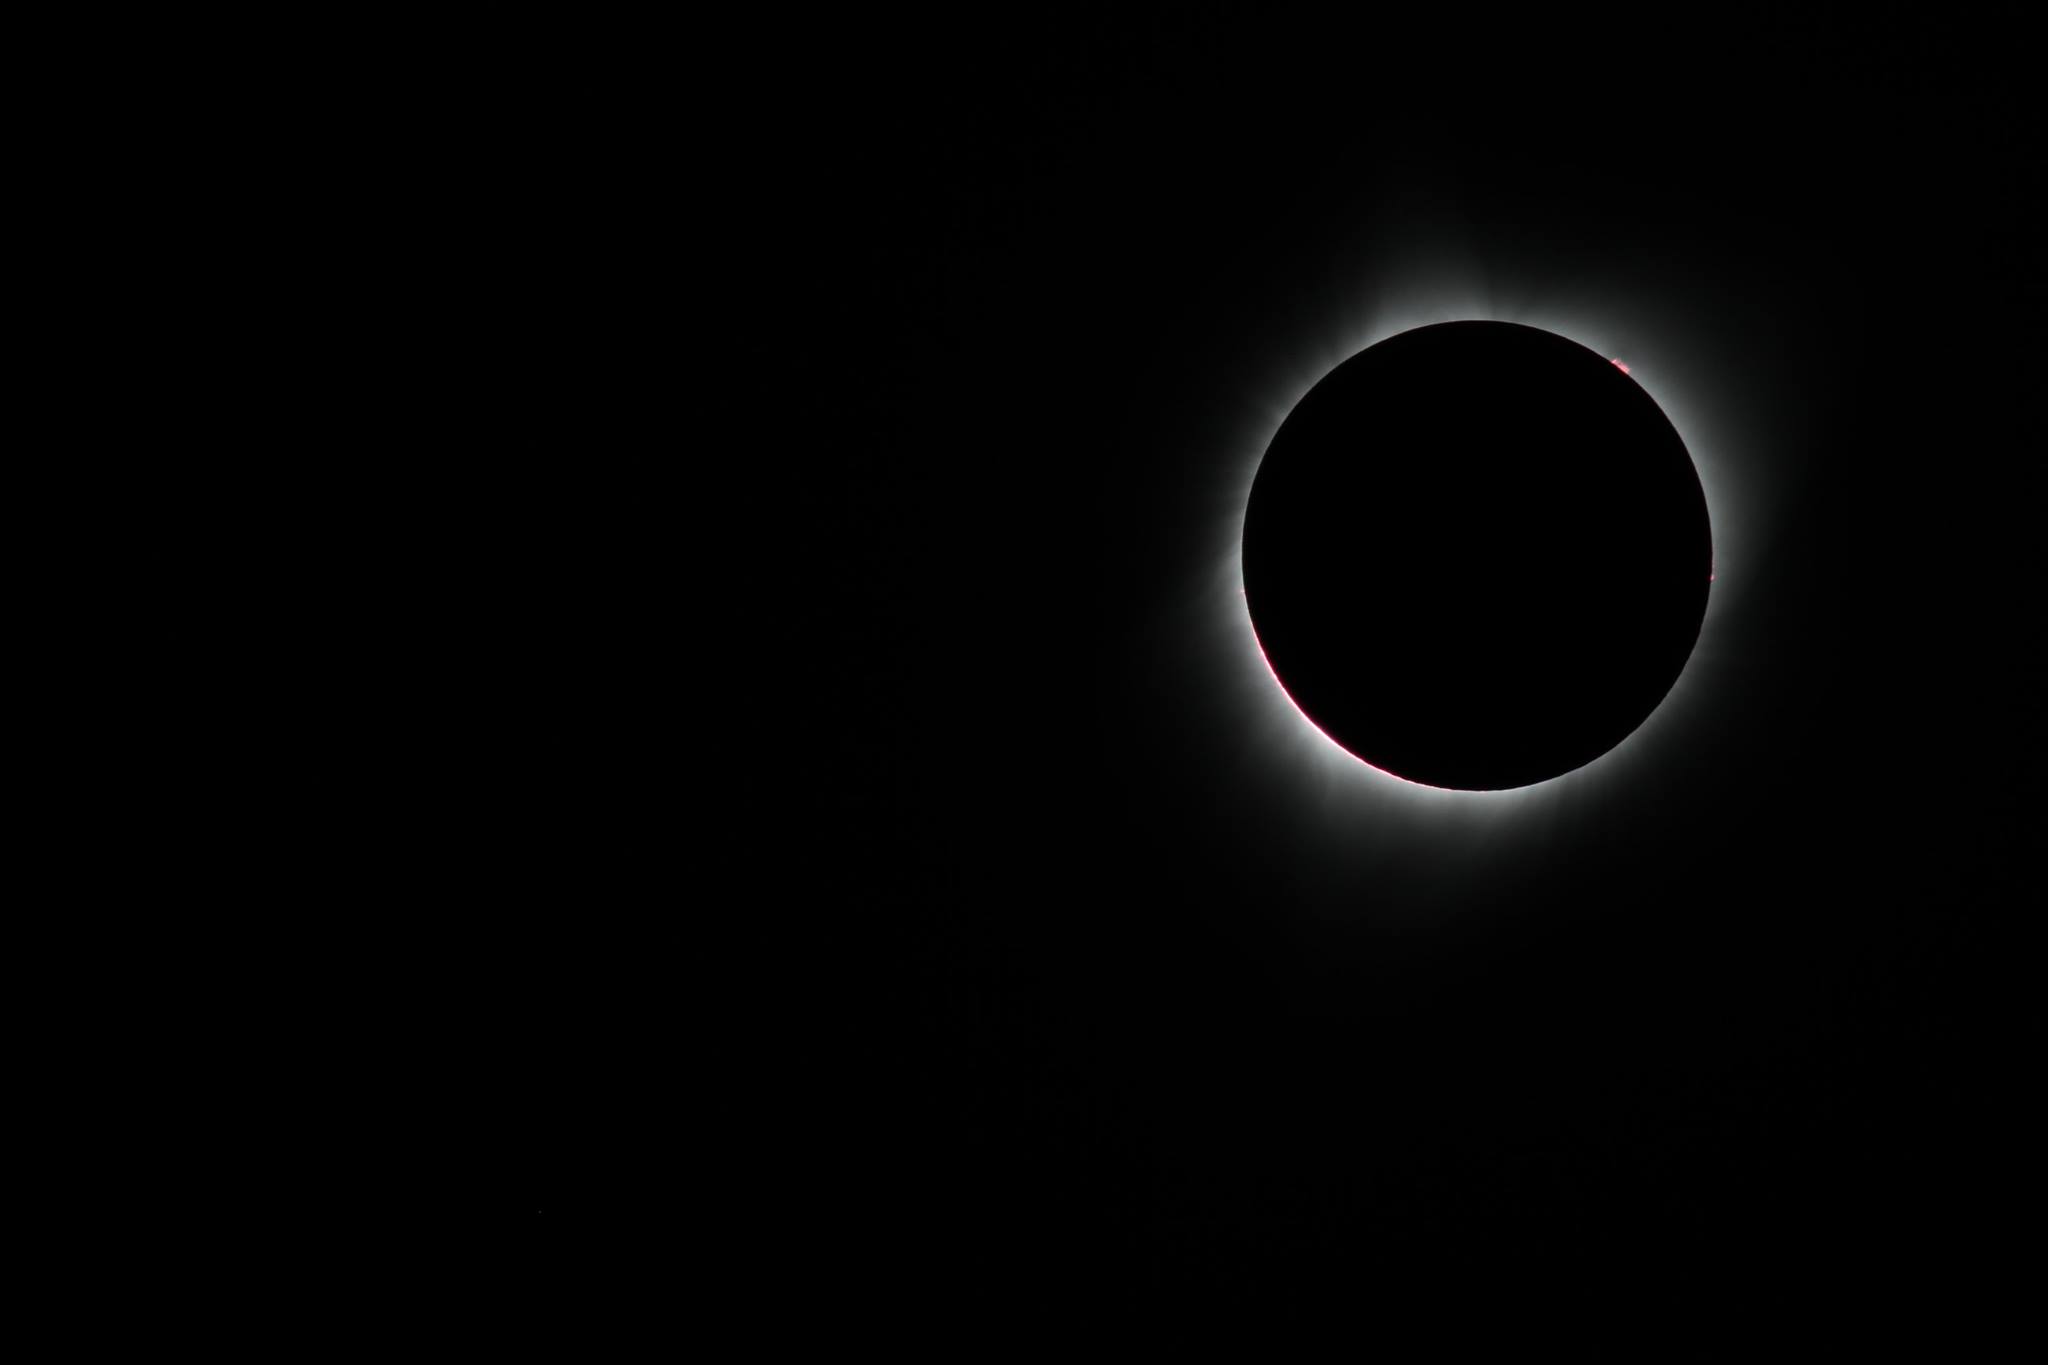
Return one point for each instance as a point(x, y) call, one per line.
point(1042, 1000)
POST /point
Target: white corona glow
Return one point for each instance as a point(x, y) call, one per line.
point(1692, 378)
point(1381, 774)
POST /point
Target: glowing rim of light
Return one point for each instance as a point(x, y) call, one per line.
point(1338, 766)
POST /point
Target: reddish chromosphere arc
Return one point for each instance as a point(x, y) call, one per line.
point(1619, 366)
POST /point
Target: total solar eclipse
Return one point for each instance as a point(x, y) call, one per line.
point(1476, 555)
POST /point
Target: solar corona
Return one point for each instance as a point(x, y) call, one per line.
point(1476, 556)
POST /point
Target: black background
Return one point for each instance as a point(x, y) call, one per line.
point(998, 991)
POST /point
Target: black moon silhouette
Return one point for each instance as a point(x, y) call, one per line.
point(1477, 555)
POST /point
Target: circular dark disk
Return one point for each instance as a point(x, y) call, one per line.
point(1477, 555)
